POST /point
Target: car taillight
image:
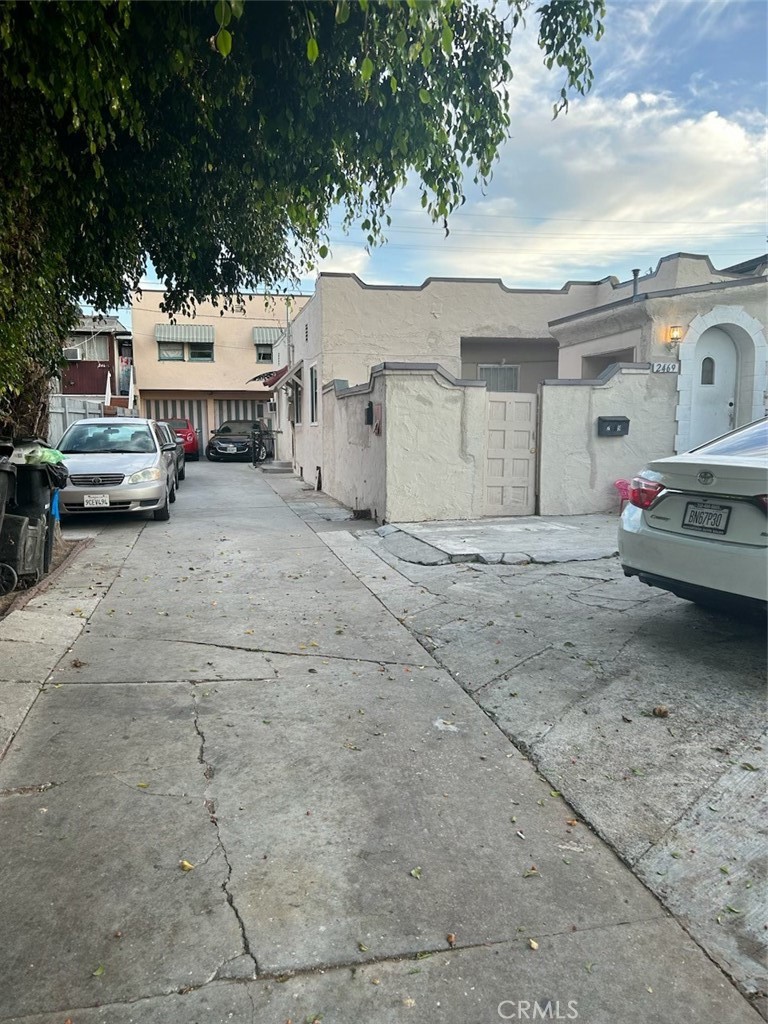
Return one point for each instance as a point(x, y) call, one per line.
point(643, 493)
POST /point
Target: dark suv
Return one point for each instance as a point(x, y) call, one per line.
point(234, 440)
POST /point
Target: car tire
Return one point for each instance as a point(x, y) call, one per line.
point(162, 514)
point(183, 471)
point(172, 494)
point(211, 458)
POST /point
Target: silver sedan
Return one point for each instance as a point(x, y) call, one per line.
point(117, 464)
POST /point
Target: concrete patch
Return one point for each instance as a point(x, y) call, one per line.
point(16, 698)
point(411, 549)
point(74, 877)
point(370, 791)
point(614, 975)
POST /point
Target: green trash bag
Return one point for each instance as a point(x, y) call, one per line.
point(39, 456)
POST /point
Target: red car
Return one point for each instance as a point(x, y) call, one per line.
point(187, 434)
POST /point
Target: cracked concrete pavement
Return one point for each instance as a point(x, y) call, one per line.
point(321, 733)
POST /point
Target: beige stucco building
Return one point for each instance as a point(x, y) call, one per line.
point(202, 367)
point(679, 352)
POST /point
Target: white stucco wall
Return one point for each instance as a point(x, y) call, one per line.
point(436, 443)
point(355, 457)
point(576, 467)
point(365, 325)
point(306, 344)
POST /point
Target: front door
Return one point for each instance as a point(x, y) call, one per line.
point(510, 465)
point(713, 401)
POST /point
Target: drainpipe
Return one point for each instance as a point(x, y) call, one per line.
point(635, 275)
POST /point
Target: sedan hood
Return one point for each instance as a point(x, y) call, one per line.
point(101, 463)
point(226, 438)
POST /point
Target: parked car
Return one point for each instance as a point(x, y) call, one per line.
point(234, 440)
point(188, 436)
point(697, 524)
point(117, 464)
point(179, 457)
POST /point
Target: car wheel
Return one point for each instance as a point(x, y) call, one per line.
point(183, 471)
point(172, 494)
point(211, 458)
point(163, 513)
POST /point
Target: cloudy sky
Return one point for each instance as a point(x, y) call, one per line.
point(666, 154)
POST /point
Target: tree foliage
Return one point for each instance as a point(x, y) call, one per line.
point(216, 138)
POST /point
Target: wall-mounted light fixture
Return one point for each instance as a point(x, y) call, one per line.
point(675, 334)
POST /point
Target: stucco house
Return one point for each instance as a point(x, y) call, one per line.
point(460, 398)
point(203, 367)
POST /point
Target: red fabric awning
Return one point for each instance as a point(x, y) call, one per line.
point(269, 380)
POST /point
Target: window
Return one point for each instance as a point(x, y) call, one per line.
point(297, 391)
point(313, 394)
point(263, 353)
point(200, 353)
point(499, 377)
point(170, 350)
point(749, 440)
point(708, 371)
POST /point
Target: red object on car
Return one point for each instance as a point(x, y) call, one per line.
point(187, 434)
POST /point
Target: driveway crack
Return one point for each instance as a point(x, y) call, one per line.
point(208, 772)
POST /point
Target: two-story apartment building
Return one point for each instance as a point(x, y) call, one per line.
point(202, 367)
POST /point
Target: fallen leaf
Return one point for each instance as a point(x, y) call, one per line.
point(76, 663)
point(409, 1002)
point(626, 718)
point(660, 711)
point(416, 873)
point(733, 910)
point(375, 981)
point(571, 821)
point(362, 947)
point(554, 792)
point(249, 632)
point(588, 968)
point(533, 943)
point(725, 870)
point(531, 872)
point(185, 865)
point(313, 643)
point(451, 939)
point(142, 785)
point(99, 971)
point(749, 767)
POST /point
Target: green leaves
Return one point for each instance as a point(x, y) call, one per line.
point(366, 69)
point(224, 42)
point(313, 50)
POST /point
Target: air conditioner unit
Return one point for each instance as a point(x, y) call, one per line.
point(73, 354)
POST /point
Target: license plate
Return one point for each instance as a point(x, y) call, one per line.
point(96, 500)
point(706, 518)
point(228, 448)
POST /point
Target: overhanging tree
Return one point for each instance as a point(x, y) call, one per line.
point(216, 139)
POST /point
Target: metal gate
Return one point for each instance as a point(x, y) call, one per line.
point(193, 409)
point(510, 465)
point(241, 409)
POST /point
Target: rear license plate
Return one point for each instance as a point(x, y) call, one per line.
point(96, 500)
point(706, 518)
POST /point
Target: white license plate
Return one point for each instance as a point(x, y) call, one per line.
point(706, 518)
point(96, 501)
point(228, 448)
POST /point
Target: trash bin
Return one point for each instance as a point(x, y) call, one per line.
point(25, 527)
point(8, 576)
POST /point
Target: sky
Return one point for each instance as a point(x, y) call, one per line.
point(666, 154)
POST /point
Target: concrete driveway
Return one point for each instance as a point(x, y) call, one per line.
point(247, 792)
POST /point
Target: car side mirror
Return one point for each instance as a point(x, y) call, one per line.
point(169, 446)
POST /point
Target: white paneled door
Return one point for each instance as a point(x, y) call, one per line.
point(510, 465)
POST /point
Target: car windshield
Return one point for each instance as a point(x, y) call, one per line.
point(178, 424)
point(750, 440)
point(237, 427)
point(93, 438)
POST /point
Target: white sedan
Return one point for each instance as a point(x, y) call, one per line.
point(697, 524)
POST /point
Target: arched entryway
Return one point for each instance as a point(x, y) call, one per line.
point(722, 375)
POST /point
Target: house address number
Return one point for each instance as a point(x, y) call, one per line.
point(665, 367)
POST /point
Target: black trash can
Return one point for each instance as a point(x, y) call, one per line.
point(25, 527)
point(8, 577)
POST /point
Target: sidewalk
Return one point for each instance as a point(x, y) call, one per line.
point(363, 843)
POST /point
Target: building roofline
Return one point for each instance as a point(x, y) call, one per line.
point(634, 300)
